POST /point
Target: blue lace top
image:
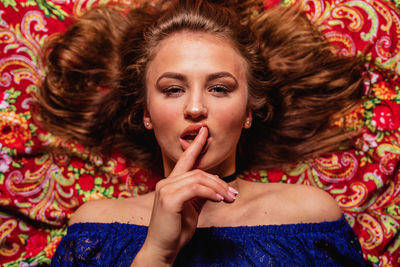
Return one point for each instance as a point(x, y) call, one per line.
point(309, 244)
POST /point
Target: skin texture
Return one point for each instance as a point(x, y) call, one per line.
point(181, 93)
point(183, 90)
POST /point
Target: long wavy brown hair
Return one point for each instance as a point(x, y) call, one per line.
point(95, 90)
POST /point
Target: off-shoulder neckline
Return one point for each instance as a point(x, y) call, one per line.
point(295, 228)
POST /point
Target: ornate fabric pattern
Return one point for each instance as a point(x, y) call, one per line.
point(39, 191)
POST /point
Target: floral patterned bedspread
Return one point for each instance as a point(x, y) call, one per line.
point(39, 191)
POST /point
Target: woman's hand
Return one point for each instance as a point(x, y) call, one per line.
point(178, 201)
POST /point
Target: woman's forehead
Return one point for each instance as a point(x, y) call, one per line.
point(196, 52)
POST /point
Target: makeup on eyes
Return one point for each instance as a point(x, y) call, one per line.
point(224, 78)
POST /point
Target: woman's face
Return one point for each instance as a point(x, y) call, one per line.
point(194, 80)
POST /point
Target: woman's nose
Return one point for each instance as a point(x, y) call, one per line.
point(195, 108)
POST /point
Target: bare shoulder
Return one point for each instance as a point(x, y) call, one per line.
point(134, 210)
point(280, 203)
point(91, 211)
point(313, 204)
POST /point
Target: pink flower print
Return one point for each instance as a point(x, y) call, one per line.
point(5, 161)
point(3, 102)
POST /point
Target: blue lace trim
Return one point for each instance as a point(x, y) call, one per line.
point(304, 244)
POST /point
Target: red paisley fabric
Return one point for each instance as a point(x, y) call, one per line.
point(39, 191)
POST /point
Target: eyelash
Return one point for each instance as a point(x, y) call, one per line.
point(176, 91)
point(170, 91)
point(224, 91)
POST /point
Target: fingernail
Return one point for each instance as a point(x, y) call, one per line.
point(233, 190)
point(220, 197)
point(201, 130)
point(231, 195)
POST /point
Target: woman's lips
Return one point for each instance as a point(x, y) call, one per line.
point(192, 130)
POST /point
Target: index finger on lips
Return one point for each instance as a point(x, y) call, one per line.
point(188, 158)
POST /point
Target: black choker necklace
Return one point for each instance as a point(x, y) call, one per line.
point(229, 178)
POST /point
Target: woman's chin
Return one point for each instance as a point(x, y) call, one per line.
point(201, 162)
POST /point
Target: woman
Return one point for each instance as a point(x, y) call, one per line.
point(201, 91)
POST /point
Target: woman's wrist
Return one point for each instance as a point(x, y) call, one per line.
point(151, 257)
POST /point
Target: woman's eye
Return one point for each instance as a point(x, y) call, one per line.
point(173, 91)
point(219, 89)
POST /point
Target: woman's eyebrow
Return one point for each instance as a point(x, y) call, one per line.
point(210, 77)
point(221, 74)
point(172, 75)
